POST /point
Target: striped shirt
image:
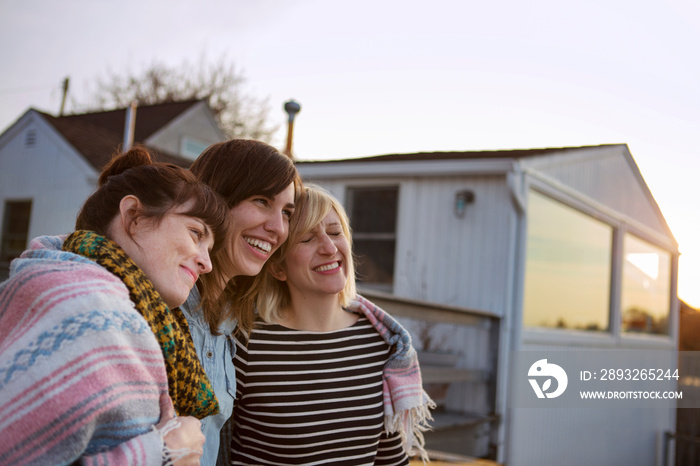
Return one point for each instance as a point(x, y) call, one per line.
point(312, 398)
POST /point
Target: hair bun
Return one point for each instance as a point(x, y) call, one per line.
point(136, 156)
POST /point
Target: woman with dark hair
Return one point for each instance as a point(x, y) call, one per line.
point(325, 376)
point(260, 186)
point(94, 361)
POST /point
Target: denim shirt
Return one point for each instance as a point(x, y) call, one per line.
point(216, 355)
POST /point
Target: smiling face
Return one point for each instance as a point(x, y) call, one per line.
point(172, 253)
point(259, 226)
point(318, 263)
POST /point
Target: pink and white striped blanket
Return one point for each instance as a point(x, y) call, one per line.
point(406, 405)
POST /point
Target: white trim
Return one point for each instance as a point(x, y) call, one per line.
point(566, 338)
point(17, 127)
point(515, 179)
point(616, 274)
point(591, 340)
point(332, 170)
point(511, 322)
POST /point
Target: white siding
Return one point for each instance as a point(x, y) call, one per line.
point(450, 260)
point(49, 173)
point(441, 258)
point(585, 436)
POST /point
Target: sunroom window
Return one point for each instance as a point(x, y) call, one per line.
point(646, 287)
point(567, 269)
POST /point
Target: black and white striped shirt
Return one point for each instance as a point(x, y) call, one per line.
point(312, 398)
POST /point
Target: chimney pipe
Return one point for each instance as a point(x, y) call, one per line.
point(129, 125)
point(292, 108)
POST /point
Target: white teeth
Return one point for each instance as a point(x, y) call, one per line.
point(325, 268)
point(262, 245)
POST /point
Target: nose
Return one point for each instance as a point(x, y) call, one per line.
point(204, 261)
point(327, 246)
point(276, 223)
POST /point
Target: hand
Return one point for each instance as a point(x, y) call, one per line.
point(187, 436)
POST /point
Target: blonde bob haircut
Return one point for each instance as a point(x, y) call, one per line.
point(311, 208)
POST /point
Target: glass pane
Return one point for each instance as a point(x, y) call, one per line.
point(375, 260)
point(191, 147)
point(373, 209)
point(567, 269)
point(646, 287)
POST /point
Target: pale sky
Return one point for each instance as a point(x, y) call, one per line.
point(377, 77)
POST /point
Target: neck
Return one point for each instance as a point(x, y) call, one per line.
point(319, 313)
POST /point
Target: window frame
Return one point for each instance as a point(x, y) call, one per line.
point(621, 225)
point(381, 236)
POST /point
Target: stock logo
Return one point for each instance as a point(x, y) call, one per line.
point(545, 372)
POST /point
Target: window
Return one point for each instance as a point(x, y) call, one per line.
point(373, 218)
point(192, 147)
point(568, 268)
point(15, 228)
point(646, 287)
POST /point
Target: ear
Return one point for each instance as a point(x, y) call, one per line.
point(277, 271)
point(129, 208)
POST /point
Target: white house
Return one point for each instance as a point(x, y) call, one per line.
point(558, 249)
point(49, 165)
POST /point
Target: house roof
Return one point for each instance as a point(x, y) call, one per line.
point(97, 135)
point(604, 188)
point(485, 154)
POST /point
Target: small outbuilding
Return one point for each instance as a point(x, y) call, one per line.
point(511, 251)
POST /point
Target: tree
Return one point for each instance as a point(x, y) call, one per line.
point(240, 115)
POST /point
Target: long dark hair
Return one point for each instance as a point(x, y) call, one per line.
point(237, 170)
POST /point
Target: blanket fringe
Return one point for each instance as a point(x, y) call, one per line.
point(410, 424)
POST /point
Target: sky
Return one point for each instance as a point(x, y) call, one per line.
point(378, 77)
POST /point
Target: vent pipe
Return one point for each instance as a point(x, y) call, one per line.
point(66, 82)
point(292, 108)
point(129, 125)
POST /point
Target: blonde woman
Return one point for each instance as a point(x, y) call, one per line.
point(325, 377)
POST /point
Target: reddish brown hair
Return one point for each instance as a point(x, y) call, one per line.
point(160, 188)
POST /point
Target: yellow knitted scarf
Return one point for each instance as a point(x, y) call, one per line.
point(189, 387)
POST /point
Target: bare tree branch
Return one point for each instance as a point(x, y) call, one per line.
point(239, 114)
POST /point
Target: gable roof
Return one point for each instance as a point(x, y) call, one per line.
point(485, 154)
point(97, 135)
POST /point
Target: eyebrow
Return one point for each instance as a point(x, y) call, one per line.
point(208, 234)
point(207, 230)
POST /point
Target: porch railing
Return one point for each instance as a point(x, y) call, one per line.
point(458, 351)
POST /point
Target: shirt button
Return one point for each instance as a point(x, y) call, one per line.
point(210, 354)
